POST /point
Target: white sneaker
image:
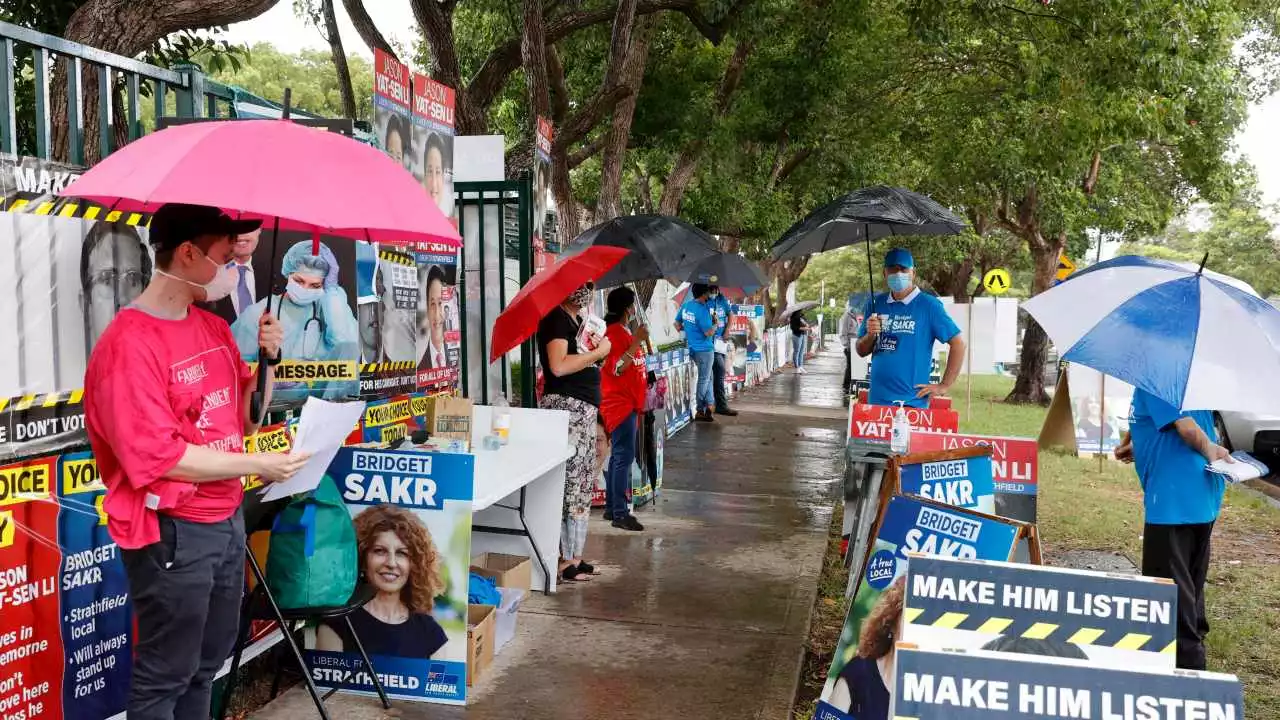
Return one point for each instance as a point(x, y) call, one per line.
point(801, 371)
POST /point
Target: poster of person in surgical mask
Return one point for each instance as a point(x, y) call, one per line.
point(322, 346)
point(439, 333)
point(433, 128)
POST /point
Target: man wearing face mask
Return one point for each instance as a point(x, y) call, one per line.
point(722, 312)
point(901, 327)
point(167, 408)
point(699, 329)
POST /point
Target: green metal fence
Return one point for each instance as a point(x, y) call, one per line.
point(194, 94)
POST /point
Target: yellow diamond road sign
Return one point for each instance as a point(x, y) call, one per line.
point(1065, 267)
point(996, 281)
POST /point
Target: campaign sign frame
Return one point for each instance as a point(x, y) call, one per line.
point(416, 506)
point(963, 480)
point(978, 685)
point(1125, 621)
point(908, 525)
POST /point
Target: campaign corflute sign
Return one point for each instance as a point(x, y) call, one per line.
point(977, 685)
point(872, 423)
point(960, 482)
point(1015, 467)
point(1116, 620)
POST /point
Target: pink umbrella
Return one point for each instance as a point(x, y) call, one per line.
point(309, 179)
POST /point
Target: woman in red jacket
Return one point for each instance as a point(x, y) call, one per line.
point(622, 393)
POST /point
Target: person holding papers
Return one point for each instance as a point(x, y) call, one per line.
point(167, 408)
point(900, 329)
point(1181, 499)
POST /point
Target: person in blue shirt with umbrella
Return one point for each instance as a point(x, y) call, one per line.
point(699, 329)
point(1181, 499)
point(900, 328)
point(722, 312)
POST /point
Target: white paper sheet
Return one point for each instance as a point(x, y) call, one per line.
point(322, 429)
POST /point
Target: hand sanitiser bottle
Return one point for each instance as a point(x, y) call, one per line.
point(900, 434)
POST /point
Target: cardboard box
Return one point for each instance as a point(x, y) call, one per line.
point(480, 647)
point(509, 571)
point(449, 418)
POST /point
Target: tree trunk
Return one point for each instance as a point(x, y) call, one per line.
point(782, 273)
point(609, 202)
point(366, 28)
point(686, 164)
point(128, 27)
point(1029, 387)
point(339, 59)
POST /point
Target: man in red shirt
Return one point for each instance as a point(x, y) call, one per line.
point(166, 405)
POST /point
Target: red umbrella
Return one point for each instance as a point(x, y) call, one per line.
point(307, 179)
point(545, 291)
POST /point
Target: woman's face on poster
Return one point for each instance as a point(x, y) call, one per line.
point(388, 563)
point(395, 146)
point(115, 278)
point(433, 175)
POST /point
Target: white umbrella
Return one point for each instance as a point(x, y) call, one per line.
point(798, 307)
point(1193, 338)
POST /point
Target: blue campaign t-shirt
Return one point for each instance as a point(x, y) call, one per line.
point(1176, 488)
point(719, 308)
point(903, 353)
point(697, 320)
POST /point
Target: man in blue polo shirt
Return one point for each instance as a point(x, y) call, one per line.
point(699, 329)
point(900, 328)
point(1180, 501)
point(722, 313)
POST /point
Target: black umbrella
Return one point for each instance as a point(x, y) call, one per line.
point(728, 270)
point(863, 216)
point(660, 246)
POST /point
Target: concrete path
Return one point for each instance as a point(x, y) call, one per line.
point(704, 614)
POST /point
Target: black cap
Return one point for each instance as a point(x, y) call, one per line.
point(177, 223)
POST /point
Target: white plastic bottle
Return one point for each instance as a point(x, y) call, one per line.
point(900, 433)
point(501, 425)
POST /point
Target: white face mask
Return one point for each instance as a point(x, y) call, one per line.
point(303, 295)
point(222, 284)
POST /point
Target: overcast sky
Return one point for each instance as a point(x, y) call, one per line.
point(1260, 141)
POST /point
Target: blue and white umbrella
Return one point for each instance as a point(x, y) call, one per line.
point(1191, 337)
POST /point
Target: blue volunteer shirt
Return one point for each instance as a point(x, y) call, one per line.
point(903, 353)
point(719, 308)
point(1177, 490)
point(697, 320)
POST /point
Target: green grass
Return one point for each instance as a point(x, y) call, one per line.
point(1084, 508)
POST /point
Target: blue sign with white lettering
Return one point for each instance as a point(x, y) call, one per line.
point(963, 482)
point(411, 512)
point(954, 685)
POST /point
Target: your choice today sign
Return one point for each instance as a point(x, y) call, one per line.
point(1116, 620)
point(960, 482)
point(931, 685)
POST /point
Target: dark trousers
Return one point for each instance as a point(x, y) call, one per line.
point(622, 455)
point(1181, 553)
point(848, 370)
point(186, 592)
point(717, 374)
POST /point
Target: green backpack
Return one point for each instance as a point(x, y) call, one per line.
point(312, 559)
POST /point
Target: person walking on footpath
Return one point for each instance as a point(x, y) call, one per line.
point(722, 312)
point(622, 398)
point(699, 329)
point(166, 397)
point(1181, 499)
point(572, 384)
point(900, 329)
point(799, 339)
point(846, 332)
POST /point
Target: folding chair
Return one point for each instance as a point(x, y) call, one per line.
point(260, 604)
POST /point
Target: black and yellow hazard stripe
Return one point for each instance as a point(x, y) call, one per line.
point(398, 258)
point(71, 208)
point(398, 366)
point(1074, 633)
point(41, 400)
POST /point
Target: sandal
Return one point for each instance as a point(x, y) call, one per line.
point(587, 568)
point(573, 573)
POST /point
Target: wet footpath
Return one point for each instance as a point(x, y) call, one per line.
point(705, 613)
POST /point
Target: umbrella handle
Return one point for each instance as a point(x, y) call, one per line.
point(256, 409)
